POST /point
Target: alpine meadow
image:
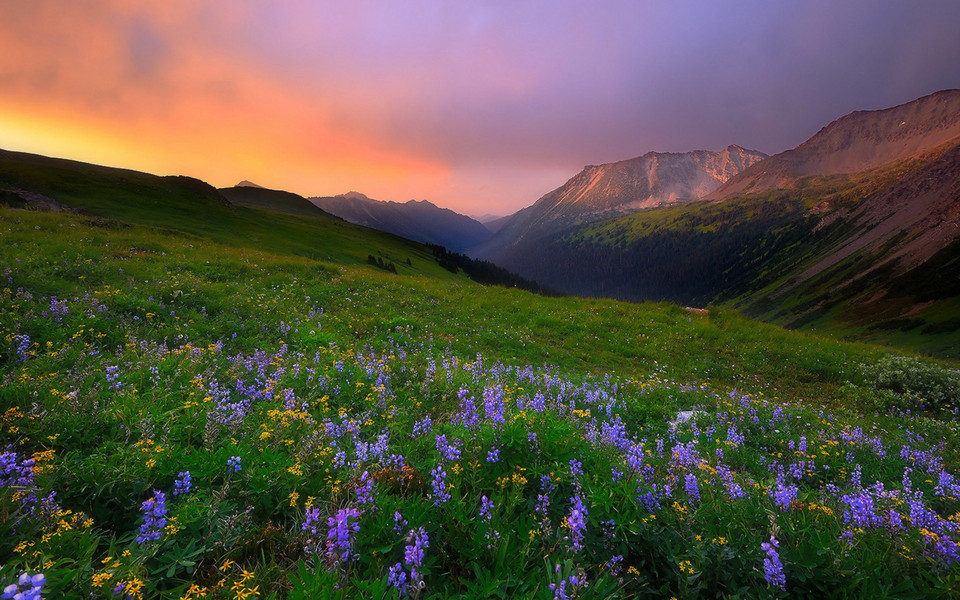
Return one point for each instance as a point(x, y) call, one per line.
point(527, 300)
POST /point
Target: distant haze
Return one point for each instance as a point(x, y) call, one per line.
point(478, 106)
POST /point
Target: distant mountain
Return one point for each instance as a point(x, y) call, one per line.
point(420, 221)
point(609, 190)
point(254, 196)
point(857, 228)
point(246, 183)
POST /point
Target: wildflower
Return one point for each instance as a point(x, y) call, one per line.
point(439, 484)
point(861, 512)
point(343, 526)
point(398, 522)
point(154, 518)
point(577, 522)
point(365, 489)
point(233, 464)
point(493, 455)
point(27, 587)
point(397, 578)
point(183, 484)
point(693, 488)
point(493, 405)
point(783, 494)
point(422, 427)
point(413, 554)
point(23, 345)
point(560, 590)
point(311, 518)
point(772, 567)
point(446, 450)
point(486, 508)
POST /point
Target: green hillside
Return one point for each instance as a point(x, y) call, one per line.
point(201, 400)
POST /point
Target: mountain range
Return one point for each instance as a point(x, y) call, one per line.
point(600, 192)
point(421, 221)
point(857, 228)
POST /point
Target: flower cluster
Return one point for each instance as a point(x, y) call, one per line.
point(154, 518)
point(343, 526)
point(183, 484)
point(27, 587)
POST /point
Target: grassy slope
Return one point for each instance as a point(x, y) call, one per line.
point(191, 207)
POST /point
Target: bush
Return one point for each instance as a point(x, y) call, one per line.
point(938, 387)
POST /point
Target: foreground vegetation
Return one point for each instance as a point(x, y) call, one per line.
point(190, 419)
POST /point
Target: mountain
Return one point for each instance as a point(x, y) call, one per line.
point(608, 190)
point(860, 141)
point(420, 221)
point(857, 229)
point(246, 183)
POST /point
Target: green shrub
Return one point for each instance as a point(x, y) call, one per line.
point(938, 387)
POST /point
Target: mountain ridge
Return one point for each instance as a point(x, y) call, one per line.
point(601, 191)
point(418, 220)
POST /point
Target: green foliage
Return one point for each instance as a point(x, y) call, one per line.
point(935, 386)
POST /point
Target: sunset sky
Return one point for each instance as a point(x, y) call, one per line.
point(481, 106)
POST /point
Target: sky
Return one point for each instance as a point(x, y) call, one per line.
point(481, 106)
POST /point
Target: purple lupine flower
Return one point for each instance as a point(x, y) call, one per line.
point(539, 403)
point(543, 498)
point(693, 488)
point(399, 523)
point(861, 512)
point(23, 346)
point(27, 587)
point(493, 455)
point(310, 520)
point(15, 473)
point(576, 468)
point(446, 450)
point(439, 484)
point(398, 578)
point(413, 554)
point(772, 567)
point(733, 488)
point(112, 373)
point(365, 489)
point(154, 518)
point(577, 522)
point(183, 483)
point(233, 464)
point(783, 494)
point(468, 409)
point(855, 478)
point(493, 405)
point(560, 590)
point(422, 427)
point(486, 508)
point(615, 564)
point(343, 526)
point(734, 436)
